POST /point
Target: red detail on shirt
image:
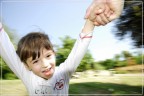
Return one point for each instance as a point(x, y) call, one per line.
point(85, 37)
point(59, 85)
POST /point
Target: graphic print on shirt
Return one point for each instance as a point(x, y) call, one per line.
point(43, 89)
point(59, 85)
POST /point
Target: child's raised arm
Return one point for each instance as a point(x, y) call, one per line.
point(8, 53)
point(88, 27)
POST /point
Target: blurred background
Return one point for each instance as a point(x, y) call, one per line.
point(113, 63)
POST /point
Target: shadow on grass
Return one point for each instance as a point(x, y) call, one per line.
point(104, 88)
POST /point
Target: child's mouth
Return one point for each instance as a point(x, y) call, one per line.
point(47, 71)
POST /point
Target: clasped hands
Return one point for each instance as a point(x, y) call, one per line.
point(101, 12)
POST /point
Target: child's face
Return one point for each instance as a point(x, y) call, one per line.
point(44, 66)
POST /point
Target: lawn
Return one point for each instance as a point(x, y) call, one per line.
point(106, 85)
point(101, 85)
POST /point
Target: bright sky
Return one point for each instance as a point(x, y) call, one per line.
point(59, 18)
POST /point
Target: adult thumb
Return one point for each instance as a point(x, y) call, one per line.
point(114, 16)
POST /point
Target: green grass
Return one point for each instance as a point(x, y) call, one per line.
point(107, 85)
point(99, 86)
point(104, 88)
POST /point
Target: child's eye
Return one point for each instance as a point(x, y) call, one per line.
point(35, 61)
point(49, 55)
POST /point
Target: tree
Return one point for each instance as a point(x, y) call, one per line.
point(108, 63)
point(63, 52)
point(6, 71)
point(126, 54)
point(87, 62)
point(139, 57)
point(130, 23)
point(128, 57)
point(118, 62)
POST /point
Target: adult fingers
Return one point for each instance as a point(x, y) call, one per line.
point(107, 10)
point(104, 19)
point(99, 20)
point(116, 6)
point(99, 9)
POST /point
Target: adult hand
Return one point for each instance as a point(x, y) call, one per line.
point(96, 7)
point(116, 6)
point(95, 12)
point(104, 8)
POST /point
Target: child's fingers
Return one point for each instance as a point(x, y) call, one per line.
point(87, 13)
point(92, 17)
point(96, 23)
point(89, 10)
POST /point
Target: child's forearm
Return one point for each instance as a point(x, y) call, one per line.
point(88, 27)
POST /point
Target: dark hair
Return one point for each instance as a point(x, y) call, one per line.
point(31, 44)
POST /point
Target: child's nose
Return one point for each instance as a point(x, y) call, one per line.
point(45, 63)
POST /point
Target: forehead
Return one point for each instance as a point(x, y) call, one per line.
point(43, 51)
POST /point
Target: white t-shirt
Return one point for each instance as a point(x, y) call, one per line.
point(58, 84)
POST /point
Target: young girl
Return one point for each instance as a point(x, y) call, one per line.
point(34, 61)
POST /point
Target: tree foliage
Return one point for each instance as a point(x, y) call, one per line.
point(87, 62)
point(108, 63)
point(130, 22)
point(65, 49)
point(125, 58)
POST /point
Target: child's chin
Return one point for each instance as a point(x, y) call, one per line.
point(48, 77)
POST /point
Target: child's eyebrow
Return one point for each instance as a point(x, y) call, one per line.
point(48, 52)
